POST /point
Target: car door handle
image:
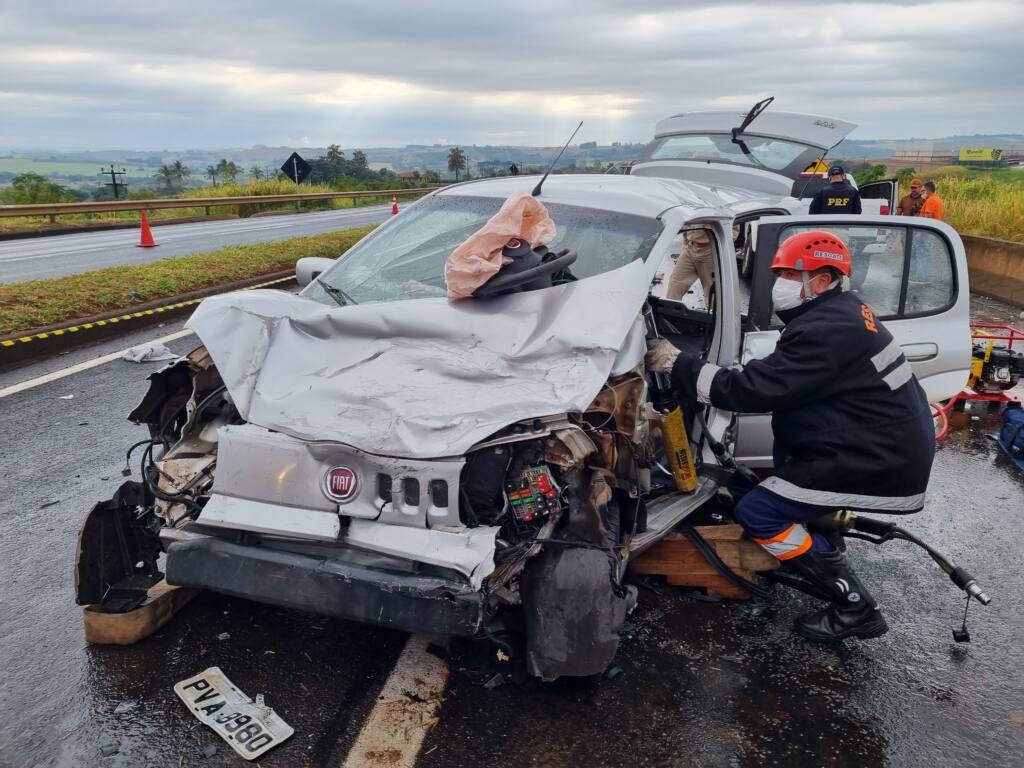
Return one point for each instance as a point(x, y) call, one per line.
point(918, 353)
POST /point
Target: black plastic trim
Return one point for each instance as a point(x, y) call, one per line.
point(326, 586)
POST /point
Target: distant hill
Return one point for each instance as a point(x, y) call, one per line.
point(409, 158)
point(81, 169)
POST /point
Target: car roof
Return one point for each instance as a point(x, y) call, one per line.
point(638, 195)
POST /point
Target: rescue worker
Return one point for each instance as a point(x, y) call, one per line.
point(932, 208)
point(838, 197)
point(853, 429)
point(911, 203)
point(696, 262)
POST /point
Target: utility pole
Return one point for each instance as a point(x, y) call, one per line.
point(115, 182)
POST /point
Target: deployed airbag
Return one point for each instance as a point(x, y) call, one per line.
point(478, 259)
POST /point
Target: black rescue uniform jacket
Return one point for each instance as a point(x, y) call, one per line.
point(853, 429)
point(838, 197)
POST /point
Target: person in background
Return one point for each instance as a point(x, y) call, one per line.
point(696, 262)
point(932, 207)
point(838, 197)
point(910, 204)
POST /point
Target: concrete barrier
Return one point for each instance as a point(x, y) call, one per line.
point(996, 268)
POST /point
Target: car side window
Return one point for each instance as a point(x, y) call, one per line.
point(897, 271)
point(930, 284)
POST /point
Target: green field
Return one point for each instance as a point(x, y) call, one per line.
point(1013, 176)
point(50, 168)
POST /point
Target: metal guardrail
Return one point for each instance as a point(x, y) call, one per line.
point(63, 209)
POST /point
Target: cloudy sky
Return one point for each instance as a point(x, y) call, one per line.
point(221, 73)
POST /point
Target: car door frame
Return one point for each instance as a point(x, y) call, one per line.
point(890, 188)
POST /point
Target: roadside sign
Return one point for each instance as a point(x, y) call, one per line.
point(986, 155)
point(295, 168)
point(817, 168)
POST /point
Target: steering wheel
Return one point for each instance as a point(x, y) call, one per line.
point(509, 282)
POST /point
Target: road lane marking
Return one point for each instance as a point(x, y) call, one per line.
point(399, 721)
point(84, 366)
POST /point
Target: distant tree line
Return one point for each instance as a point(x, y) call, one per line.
point(31, 188)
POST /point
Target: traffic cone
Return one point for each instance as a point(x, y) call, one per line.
point(145, 235)
point(394, 205)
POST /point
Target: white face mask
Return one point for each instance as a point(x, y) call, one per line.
point(786, 294)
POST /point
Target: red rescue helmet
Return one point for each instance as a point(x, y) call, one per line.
point(813, 250)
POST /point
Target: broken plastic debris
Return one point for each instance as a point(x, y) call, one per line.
point(66, 397)
point(124, 706)
point(223, 636)
point(613, 671)
point(502, 656)
point(210, 750)
point(111, 749)
point(494, 682)
point(148, 353)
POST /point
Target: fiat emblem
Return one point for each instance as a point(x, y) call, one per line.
point(340, 484)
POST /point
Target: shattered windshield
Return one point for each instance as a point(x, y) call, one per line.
point(406, 258)
point(785, 157)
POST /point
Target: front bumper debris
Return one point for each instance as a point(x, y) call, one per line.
point(415, 603)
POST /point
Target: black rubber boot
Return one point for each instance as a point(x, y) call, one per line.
point(852, 613)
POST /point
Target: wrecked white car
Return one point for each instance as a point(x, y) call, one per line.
point(372, 450)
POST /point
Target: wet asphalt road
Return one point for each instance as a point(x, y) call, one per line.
point(45, 257)
point(702, 684)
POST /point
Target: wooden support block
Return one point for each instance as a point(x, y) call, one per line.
point(677, 559)
point(161, 603)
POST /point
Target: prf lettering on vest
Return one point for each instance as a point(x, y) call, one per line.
point(838, 201)
point(869, 318)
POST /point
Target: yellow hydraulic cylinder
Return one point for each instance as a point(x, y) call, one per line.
point(677, 450)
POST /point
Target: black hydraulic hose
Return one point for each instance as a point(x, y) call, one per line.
point(879, 532)
point(724, 457)
point(719, 565)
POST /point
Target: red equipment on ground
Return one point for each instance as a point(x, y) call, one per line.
point(997, 371)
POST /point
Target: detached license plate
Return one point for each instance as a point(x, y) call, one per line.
point(250, 727)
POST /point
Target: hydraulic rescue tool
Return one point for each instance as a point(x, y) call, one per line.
point(673, 429)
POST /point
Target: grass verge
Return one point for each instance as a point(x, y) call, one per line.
point(984, 206)
point(37, 303)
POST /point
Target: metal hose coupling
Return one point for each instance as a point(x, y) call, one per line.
point(969, 584)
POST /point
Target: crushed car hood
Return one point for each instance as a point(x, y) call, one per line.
point(420, 378)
